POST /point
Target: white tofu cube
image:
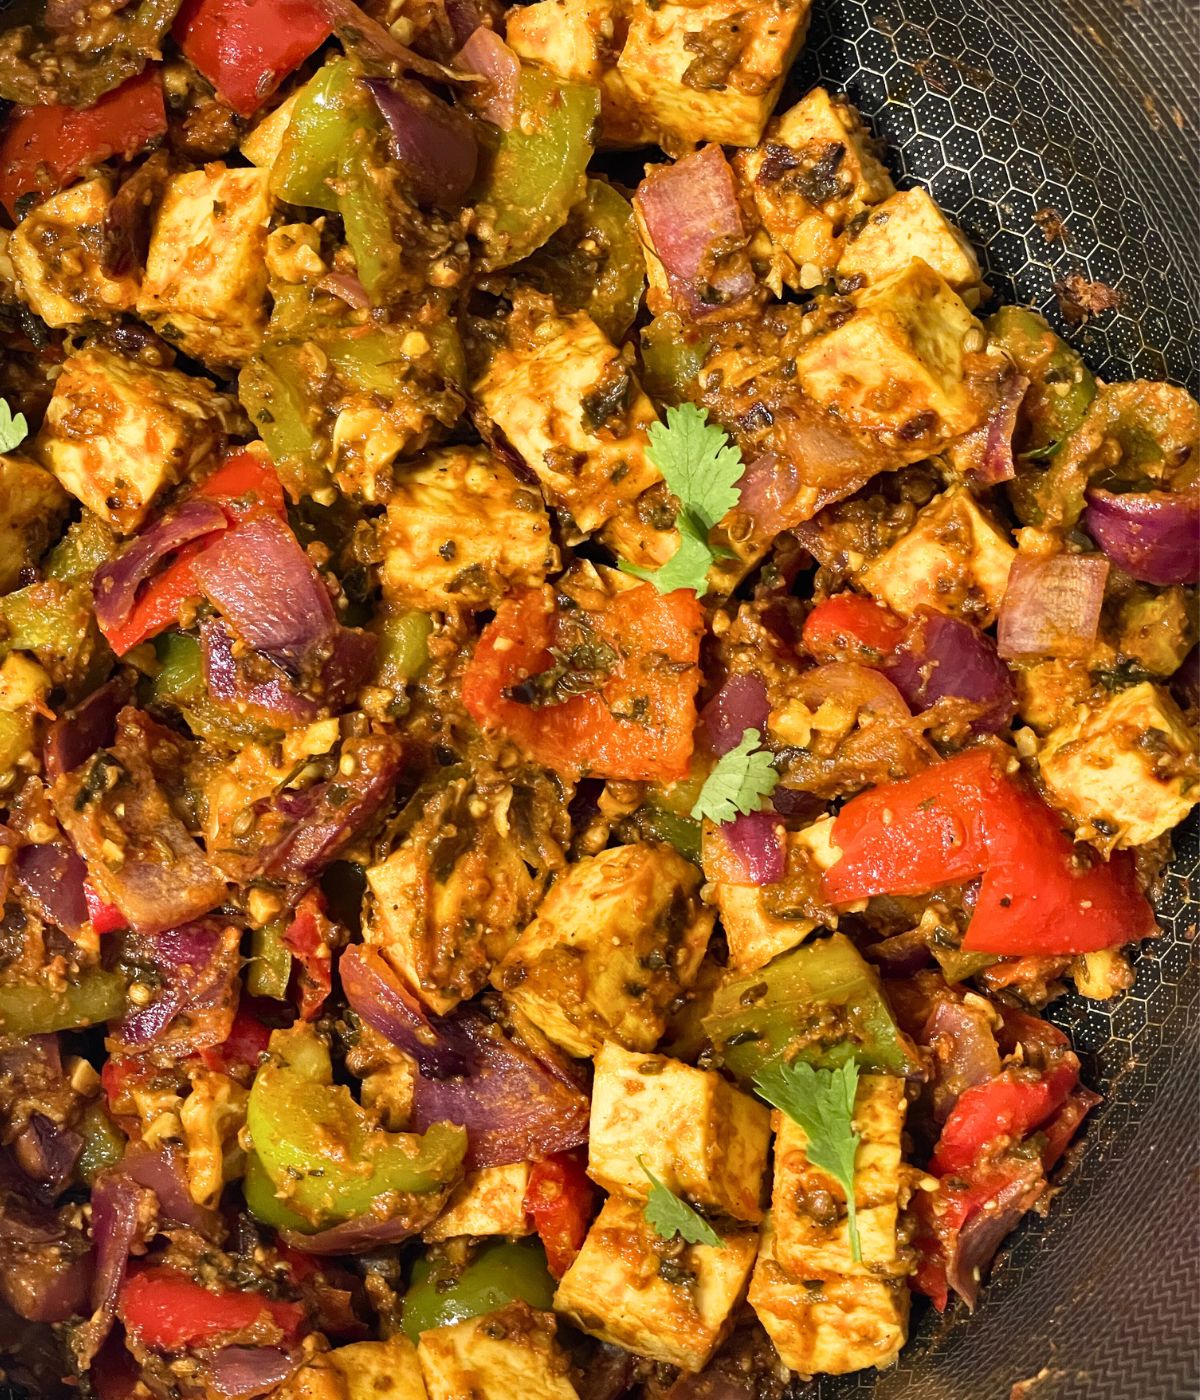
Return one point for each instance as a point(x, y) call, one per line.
point(895, 365)
point(32, 508)
point(56, 254)
point(1125, 770)
point(808, 1207)
point(462, 531)
point(118, 433)
point(571, 407)
point(387, 1370)
point(671, 1301)
point(701, 1137)
point(512, 1354)
point(615, 941)
point(205, 285)
point(954, 559)
point(905, 226)
point(834, 1325)
point(490, 1201)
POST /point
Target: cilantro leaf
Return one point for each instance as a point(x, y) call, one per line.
point(701, 468)
point(739, 782)
point(821, 1101)
point(13, 428)
point(668, 1216)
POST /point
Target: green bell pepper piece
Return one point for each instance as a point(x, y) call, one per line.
point(535, 172)
point(34, 1008)
point(262, 1202)
point(672, 357)
point(820, 1003)
point(272, 392)
point(270, 962)
point(16, 738)
point(500, 1273)
point(684, 833)
point(327, 1153)
point(322, 122)
point(56, 623)
point(1060, 385)
point(403, 646)
point(103, 1142)
point(365, 204)
point(87, 544)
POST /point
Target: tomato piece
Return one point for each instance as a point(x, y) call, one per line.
point(309, 937)
point(44, 148)
point(559, 1201)
point(167, 1311)
point(104, 918)
point(246, 47)
point(849, 627)
point(1002, 1110)
point(638, 721)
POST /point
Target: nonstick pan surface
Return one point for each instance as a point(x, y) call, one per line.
point(1014, 114)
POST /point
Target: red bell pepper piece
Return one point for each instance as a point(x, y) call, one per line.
point(559, 1201)
point(167, 1311)
point(104, 917)
point(849, 627)
point(1002, 1110)
point(246, 1041)
point(44, 148)
point(309, 936)
point(246, 47)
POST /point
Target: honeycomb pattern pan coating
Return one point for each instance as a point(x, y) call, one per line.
point(1004, 109)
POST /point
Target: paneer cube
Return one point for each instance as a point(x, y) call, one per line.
point(813, 173)
point(905, 226)
point(386, 1370)
point(462, 531)
point(569, 404)
point(318, 1379)
point(895, 365)
point(444, 922)
point(118, 433)
point(701, 1137)
point(1126, 770)
point(205, 285)
point(670, 1301)
point(56, 254)
point(262, 142)
point(808, 1206)
point(709, 71)
point(835, 1325)
point(500, 1356)
point(955, 559)
point(32, 508)
point(615, 941)
point(490, 1201)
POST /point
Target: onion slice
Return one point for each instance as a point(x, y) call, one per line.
point(1052, 605)
point(386, 1005)
point(740, 704)
point(1154, 536)
point(486, 54)
point(433, 144)
point(755, 840)
point(942, 657)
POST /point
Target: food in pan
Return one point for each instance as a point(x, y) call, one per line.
point(571, 690)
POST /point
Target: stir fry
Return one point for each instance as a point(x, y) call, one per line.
point(571, 689)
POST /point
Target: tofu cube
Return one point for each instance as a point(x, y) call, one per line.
point(499, 1356)
point(443, 929)
point(664, 1299)
point(567, 402)
point(895, 366)
point(387, 1370)
point(710, 71)
point(1125, 770)
point(701, 1137)
point(32, 508)
point(808, 1207)
point(205, 285)
point(56, 254)
point(905, 226)
point(490, 1201)
point(813, 172)
point(615, 941)
point(834, 1325)
point(462, 531)
point(955, 559)
point(118, 433)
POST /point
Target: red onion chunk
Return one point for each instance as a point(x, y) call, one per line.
point(357, 1236)
point(47, 1151)
point(195, 1001)
point(381, 1000)
point(740, 704)
point(942, 657)
point(346, 286)
point(486, 53)
point(964, 1051)
point(261, 580)
point(116, 582)
point(50, 878)
point(76, 734)
point(116, 1210)
point(463, 17)
point(986, 1230)
point(1059, 1131)
point(165, 1173)
point(990, 445)
point(511, 1105)
point(691, 216)
point(227, 681)
point(1154, 536)
point(754, 838)
point(241, 1373)
point(438, 153)
point(1052, 605)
